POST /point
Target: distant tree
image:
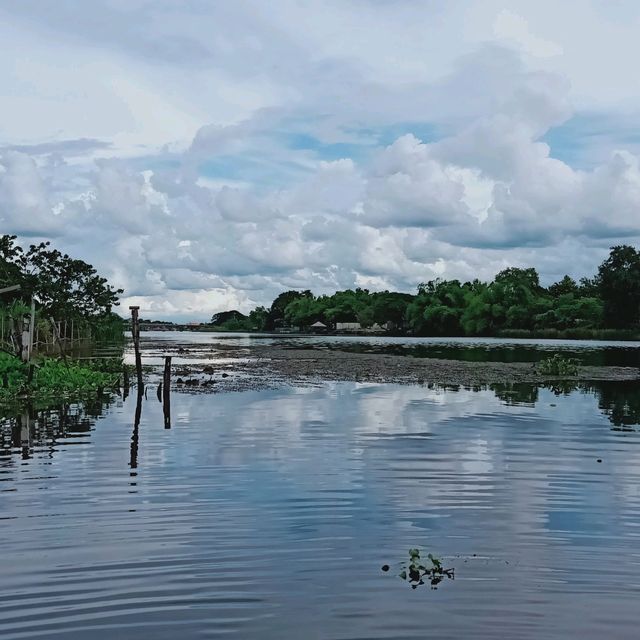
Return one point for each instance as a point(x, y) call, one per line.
point(276, 314)
point(218, 319)
point(564, 286)
point(438, 308)
point(258, 319)
point(390, 306)
point(304, 311)
point(619, 286)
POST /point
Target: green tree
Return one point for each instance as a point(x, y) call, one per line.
point(619, 286)
point(276, 315)
point(564, 286)
point(303, 311)
point(438, 308)
point(258, 319)
point(61, 285)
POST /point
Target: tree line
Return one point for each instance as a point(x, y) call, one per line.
point(513, 303)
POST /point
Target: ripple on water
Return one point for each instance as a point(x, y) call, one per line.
point(269, 514)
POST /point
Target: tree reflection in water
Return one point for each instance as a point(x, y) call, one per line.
point(40, 429)
point(618, 400)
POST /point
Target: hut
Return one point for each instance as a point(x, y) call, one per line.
point(318, 327)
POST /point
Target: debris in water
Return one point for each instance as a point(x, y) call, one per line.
point(418, 574)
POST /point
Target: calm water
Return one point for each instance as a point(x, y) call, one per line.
point(269, 515)
point(588, 352)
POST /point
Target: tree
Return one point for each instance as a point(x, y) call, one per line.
point(619, 286)
point(278, 306)
point(564, 286)
point(303, 311)
point(258, 319)
point(60, 284)
point(438, 308)
point(218, 319)
point(390, 306)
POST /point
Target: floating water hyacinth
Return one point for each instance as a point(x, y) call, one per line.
point(418, 574)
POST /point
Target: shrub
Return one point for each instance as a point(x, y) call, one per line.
point(557, 365)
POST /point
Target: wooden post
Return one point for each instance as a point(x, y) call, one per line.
point(125, 382)
point(32, 326)
point(166, 392)
point(24, 339)
point(133, 460)
point(135, 332)
point(25, 433)
point(56, 333)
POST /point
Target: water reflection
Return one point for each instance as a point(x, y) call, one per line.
point(42, 430)
point(45, 429)
point(260, 512)
point(619, 401)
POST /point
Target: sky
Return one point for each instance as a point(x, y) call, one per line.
point(208, 155)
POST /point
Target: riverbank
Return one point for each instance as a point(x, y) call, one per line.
point(223, 367)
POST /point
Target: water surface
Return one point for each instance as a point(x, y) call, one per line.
point(269, 514)
point(587, 352)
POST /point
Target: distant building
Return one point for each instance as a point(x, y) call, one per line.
point(348, 327)
point(318, 327)
point(356, 327)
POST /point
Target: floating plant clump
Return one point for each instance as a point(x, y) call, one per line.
point(416, 573)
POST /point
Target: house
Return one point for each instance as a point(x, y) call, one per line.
point(356, 327)
point(318, 327)
point(348, 327)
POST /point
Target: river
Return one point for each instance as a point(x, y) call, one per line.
point(269, 514)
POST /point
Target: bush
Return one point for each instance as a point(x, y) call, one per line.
point(558, 366)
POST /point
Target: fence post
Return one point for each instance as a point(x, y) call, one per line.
point(135, 332)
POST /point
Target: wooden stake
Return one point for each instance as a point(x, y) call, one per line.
point(135, 332)
point(166, 392)
point(133, 460)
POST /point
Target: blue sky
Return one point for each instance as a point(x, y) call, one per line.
point(207, 156)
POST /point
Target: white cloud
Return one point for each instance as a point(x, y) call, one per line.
point(209, 156)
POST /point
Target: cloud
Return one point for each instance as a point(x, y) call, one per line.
point(205, 156)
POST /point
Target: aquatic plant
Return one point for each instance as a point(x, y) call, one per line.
point(415, 572)
point(52, 378)
point(557, 365)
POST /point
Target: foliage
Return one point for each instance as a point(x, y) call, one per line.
point(219, 319)
point(60, 284)
point(415, 572)
point(57, 377)
point(557, 365)
point(12, 369)
point(53, 378)
point(276, 314)
point(618, 282)
point(513, 304)
point(108, 328)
